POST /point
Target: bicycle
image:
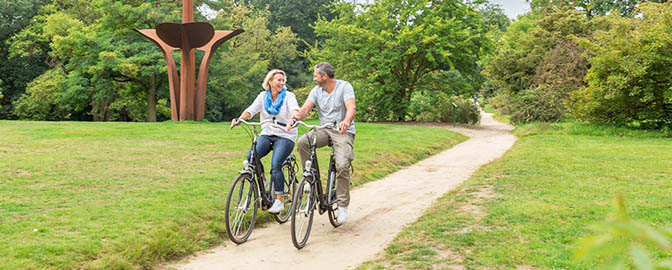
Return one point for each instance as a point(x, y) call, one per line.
point(242, 202)
point(306, 201)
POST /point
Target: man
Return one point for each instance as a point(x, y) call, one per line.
point(335, 100)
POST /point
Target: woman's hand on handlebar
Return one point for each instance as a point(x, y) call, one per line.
point(234, 122)
point(290, 124)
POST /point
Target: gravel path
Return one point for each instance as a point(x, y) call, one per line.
point(378, 211)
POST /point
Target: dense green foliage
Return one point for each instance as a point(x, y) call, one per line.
point(103, 70)
point(569, 58)
point(16, 72)
point(537, 64)
point(81, 60)
point(77, 195)
point(105, 64)
point(300, 16)
point(593, 7)
point(630, 81)
point(236, 73)
point(390, 50)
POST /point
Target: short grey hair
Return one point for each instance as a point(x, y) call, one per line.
point(325, 68)
point(270, 75)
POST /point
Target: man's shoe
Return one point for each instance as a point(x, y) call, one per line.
point(342, 214)
point(277, 207)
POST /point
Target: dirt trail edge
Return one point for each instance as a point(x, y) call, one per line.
point(378, 212)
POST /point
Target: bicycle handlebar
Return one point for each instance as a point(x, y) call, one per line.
point(273, 121)
point(327, 125)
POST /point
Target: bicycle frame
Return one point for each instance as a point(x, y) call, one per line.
point(314, 172)
point(255, 168)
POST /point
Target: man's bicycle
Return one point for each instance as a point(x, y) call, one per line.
point(309, 194)
point(246, 190)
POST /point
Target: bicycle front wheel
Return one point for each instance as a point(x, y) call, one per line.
point(302, 212)
point(288, 192)
point(332, 210)
point(242, 204)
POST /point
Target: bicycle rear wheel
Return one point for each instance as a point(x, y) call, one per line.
point(303, 209)
point(242, 204)
point(288, 189)
point(332, 210)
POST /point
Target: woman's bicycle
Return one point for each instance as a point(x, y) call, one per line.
point(309, 194)
point(246, 190)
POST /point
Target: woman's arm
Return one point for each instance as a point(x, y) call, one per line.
point(244, 116)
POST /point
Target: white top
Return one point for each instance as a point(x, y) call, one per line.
point(283, 116)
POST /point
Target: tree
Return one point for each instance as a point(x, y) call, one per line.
point(538, 63)
point(93, 42)
point(300, 16)
point(39, 102)
point(16, 72)
point(387, 48)
point(593, 8)
point(493, 15)
point(242, 63)
point(630, 81)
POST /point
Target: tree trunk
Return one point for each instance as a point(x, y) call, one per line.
point(151, 99)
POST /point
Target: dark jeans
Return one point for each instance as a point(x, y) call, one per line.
point(282, 147)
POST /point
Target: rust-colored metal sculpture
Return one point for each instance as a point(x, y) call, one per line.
point(187, 103)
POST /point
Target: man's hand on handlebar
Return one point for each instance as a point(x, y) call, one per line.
point(343, 127)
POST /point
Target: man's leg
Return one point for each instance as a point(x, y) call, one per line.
point(303, 144)
point(343, 154)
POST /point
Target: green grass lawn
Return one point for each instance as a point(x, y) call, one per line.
point(528, 209)
point(130, 195)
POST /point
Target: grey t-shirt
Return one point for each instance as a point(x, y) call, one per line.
point(331, 107)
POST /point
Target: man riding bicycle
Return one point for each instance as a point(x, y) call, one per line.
point(335, 100)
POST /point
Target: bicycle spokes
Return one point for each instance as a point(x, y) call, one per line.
point(241, 209)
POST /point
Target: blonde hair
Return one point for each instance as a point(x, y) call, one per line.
point(270, 75)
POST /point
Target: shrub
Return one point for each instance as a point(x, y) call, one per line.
point(538, 104)
point(40, 100)
point(438, 107)
point(630, 81)
point(500, 103)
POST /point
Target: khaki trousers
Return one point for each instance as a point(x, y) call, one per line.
point(343, 155)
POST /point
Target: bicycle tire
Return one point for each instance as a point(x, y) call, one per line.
point(303, 210)
point(245, 197)
point(288, 198)
point(332, 210)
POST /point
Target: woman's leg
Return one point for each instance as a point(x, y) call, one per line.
point(281, 149)
point(263, 147)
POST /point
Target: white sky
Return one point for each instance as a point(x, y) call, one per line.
point(512, 8)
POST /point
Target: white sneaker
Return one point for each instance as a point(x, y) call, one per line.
point(342, 214)
point(277, 207)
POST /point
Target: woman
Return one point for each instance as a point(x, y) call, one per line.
point(276, 102)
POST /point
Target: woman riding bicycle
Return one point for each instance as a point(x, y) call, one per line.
point(274, 103)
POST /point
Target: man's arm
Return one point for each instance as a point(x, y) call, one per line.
point(349, 115)
point(300, 114)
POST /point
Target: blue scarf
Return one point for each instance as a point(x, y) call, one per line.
point(274, 107)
